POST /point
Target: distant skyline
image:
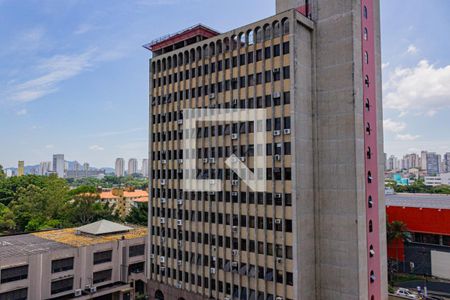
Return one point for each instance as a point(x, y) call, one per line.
point(74, 75)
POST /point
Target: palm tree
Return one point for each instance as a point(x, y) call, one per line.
point(397, 231)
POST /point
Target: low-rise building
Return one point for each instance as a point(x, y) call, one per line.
point(441, 179)
point(123, 200)
point(102, 260)
point(426, 217)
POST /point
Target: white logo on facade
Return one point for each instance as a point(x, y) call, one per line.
point(233, 120)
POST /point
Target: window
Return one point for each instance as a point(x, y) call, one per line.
point(102, 276)
point(102, 257)
point(276, 50)
point(286, 72)
point(366, 57)
point(14, 274)
point(365, 12)
point(21, 294)
point(285, 48)
point(61, 265)
point(62, 286)
point(137, 250)
point(259, 55)
point(267, 52)
point(366, 33)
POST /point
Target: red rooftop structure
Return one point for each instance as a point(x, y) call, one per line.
point(181, 39)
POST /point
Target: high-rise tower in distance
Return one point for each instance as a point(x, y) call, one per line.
point(318, 231)
point(59, 165)
point(120, 167)
point(132, 166)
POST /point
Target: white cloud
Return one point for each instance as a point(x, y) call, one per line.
point(412, 49)
point(393, 126)
point(96, 148)
point(423, 89)
point(22, 112)
point(407, 137)
point(54, 70)
point(385, 65)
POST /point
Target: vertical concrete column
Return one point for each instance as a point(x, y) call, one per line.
point(283, 5)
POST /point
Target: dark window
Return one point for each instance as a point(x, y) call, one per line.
point(276, 50)
point(286, 73)
point(285, 47)
point(61, 265)
point(258, 55)
point(21, 294)
point(137, 250)
point(250, 57)
point(14, 274)
point(62, 286)
point(102, 276)
point(102, 257)
point(267, 52)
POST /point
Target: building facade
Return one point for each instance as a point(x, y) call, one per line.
point(132, 166)
point(446, 161)
point(120, 167)
point(144, 169)
point(441, 179)
point(433, 164)
point(318, 230)
point(73, 264)
point(426, 218)
point(59, 165)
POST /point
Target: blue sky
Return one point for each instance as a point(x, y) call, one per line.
point(74, 77)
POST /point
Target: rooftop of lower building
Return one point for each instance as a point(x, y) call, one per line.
point(437, 201)
point(58, 239)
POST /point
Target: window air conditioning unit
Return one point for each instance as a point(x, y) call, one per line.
point(235, 252)
point(163, 182)
point(180, 121)
point(276, 70)
point(212, 96)
point(279, 260)
point(235, 229)
point(235, 182)
point(213, 270)
point(205, 160)
point(235, 101)
point(78, 292)
point(277, 95)
point(180, 202)
point(179, 222)
point(234, 194)
point(234, 264)
point(212, 160)
point(180, 243)
point(163, 240)
point(212, 193)
point(178, 285)
point(213, 248)
point(287, 131)
point(277, 157)
point(279, 298)
point(162, 220)
point(180, 161)
point(277, 221)
point(152, 256)
point(179, 262)
point(234, 136)
point(278, 195)
point(276, 133)
point(162, 259)
point(93, 289)
point(227, 298)
point(242, 158)
point(163, 200)
point(163, 161)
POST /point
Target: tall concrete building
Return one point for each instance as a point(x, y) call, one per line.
point(423, 160)
point(59, 165)
point(317, 232)
point(144, 169)
point(120, 167)
point(433, 163)
point(20, 168)
point(446, 162)
point(132, 166)
point(45, 168)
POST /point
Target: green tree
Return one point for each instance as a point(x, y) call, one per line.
point(138, 214)
point(41, 207)
point(2, 173)
point(7, 223)
point(85, 208)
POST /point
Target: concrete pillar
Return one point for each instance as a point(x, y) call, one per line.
point(283, 5)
